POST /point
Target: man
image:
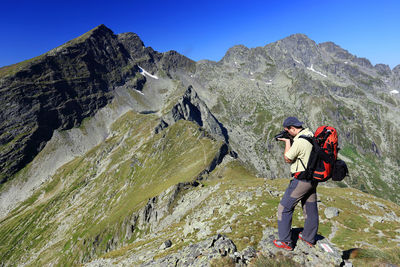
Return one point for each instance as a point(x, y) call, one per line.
point(297, 154)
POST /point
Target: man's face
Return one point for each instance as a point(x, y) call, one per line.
point(291, 130)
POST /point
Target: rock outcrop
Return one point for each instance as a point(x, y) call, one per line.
point(221, 249)
point(324, 253)
point(190, 107)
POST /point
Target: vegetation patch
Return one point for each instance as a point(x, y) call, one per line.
point(278, 260)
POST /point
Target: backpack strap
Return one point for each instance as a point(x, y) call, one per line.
point(308, 138)
point(307, 173)
point(302, 164)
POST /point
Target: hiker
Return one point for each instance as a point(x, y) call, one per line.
point(297, 154)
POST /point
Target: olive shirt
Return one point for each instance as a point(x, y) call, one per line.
point(300, 150)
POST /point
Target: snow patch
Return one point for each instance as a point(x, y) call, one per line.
point(140, 92)
point(252, 79)
point(297, 60)
point(394, 92)
point(145, 73)
point(317, 72)
point(346, 62)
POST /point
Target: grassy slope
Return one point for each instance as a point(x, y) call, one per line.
point(87, 200)
point(249, 204)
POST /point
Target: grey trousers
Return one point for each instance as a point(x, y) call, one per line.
point(306, 192)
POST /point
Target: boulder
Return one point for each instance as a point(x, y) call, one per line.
point(331, 212)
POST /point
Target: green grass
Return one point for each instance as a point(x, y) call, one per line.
point(374, 257)
point(351, 225)
point(276, 261)
point(248, 226)
point(14, 68)
point(167, 159)
point(222, 261)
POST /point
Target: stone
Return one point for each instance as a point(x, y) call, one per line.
point(166, 244)
point(226, 229)
point(331, 212)
point(214, 247)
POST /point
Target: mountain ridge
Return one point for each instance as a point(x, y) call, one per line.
point(298, 65)
point(305, 67)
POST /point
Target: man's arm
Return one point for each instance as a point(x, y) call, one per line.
point(287, 147)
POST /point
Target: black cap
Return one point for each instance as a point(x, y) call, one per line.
point(292, 121)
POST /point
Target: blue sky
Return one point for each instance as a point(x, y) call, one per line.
point(203, 29)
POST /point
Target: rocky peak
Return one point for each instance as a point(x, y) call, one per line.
point(335, 50)
point(173, 61)
point(236, 53)
point(340, 53)
point(190, 107)
point(363, 62)
point(396, 70)
point(383, 69)
point(152, 60)
point(132, 40)
point(297, 42)
point(100, 30)
point(296, 47)
point(297, 38)
point(396, 78)
point(132, 43)
point(89, 38)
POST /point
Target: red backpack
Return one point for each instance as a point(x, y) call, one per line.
point(323, 162)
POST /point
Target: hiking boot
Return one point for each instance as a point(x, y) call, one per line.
point(284, 245)
point(301, 238)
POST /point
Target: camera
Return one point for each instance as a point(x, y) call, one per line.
point(283, 134)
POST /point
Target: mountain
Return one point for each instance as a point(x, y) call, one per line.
point(251, 91)
point(62, 87)
point(112, 152)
